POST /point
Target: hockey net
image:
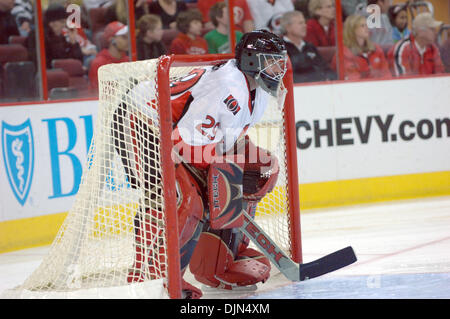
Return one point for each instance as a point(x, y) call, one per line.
point(94, 250)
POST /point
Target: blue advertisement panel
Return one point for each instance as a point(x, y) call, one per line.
point(44, 149)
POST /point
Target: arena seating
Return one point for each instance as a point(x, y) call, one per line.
point(12, 53)
point(17, 82)
point(77, 75)
point(57, 78)
point(17, 39)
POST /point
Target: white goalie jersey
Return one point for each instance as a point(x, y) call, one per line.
point(212, 107)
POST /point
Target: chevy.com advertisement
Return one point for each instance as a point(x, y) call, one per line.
point(367, 129)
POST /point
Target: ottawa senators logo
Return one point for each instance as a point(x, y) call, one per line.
point(232, 104)
point(181, 84)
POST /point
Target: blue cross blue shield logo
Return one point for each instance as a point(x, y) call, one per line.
point(18, 156)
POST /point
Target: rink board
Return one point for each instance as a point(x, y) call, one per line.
point(357, 142)
point(373, 141)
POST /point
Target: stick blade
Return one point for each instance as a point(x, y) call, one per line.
point(328, 263)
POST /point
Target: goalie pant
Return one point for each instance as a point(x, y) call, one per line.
point(219, 127)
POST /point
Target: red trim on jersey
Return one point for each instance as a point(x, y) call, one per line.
point(179, 105)
point(186, 82)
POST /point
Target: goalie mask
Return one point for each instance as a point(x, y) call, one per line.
point(262, 55)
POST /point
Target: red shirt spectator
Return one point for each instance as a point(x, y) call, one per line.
point(406, 59)
point(243, 18)
point(116, 34)
point(318, 36)
point(189, 40)
point(321, 27)
point(364, 66)
point(417, 54)
point(362, 58)
point(183, 44)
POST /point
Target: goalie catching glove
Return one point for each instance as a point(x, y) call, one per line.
point(260, 171)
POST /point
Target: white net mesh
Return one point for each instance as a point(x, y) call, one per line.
point(272, 212)
point(106, 240)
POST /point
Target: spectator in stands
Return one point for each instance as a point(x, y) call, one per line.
point(88, 49)
point(118, 11)
point(398, 17)
point(140, 8)
point(243, 18)
point(116, 35)
point(23, 13)
point(382, 35)
point(302, 6)
point(149, 35)
point(362, 58)
point(8, 26)
point(168, 10)
point(189, 40)
point(418, 54)
point(89, 4)
point(321, 26)
point(217, 39)
point(444, 48)
point(267, 13)
point(307, 64)
point(58, 45)
point(350, 7)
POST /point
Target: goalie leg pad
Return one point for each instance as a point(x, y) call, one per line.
point(225, 195)
point(149, 234)
point(189, 291)
point(190, 213)
point(249, 268)
point(214, 263)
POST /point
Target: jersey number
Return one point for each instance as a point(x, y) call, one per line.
point(210, 123)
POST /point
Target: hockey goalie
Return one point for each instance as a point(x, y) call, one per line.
point(219, 171)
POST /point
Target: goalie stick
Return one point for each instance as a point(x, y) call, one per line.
point(290, 269)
